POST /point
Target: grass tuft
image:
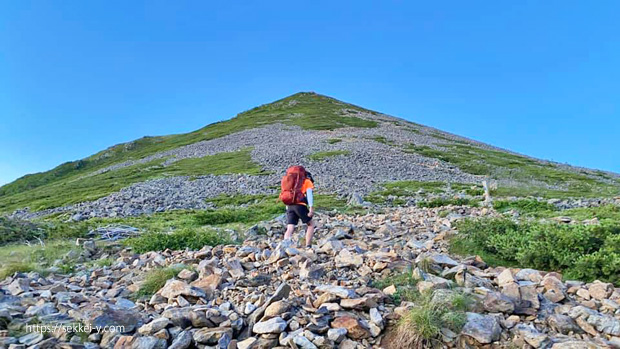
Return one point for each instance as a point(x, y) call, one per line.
point(156, 279)
point(421, 326)
point(405, 285)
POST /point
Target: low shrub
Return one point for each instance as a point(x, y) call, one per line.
point(13, 230)
point(440, 202)
point(57, 230)
point(578, 251)
point(179, 240)
point(523, 206)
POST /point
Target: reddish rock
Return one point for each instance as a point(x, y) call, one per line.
point(354, 327)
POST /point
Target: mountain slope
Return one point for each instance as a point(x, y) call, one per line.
point(348, 148)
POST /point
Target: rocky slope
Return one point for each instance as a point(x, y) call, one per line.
point(267, 293)
point(364, 149)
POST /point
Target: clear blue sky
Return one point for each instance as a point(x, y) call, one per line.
point(538, 77)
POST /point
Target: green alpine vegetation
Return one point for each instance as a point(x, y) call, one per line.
point(583, 252)
point(86, 188)
point(504, 165)
point(605, 214)
point(15, 230)
point(541, 209)
point(405, 285)
point(523, 205)
point(23, 258)
point(382, 139)
point(440, 202)
point(193, 239)
point(403, 189)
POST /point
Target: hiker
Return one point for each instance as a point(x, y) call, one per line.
point(297, 186)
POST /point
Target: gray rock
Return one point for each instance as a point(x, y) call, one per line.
point(148, 343)
point(495, 302)
point(174, 288)
point(375, 317)
point(154, 326)
point(31, 338)
point(563, 324)
point(529, 275)
point(41, 310)
point(273, 325)
point(336, 291)
point(336, 334)
point(211, 336)
point(304, 342)
point(605, 324)
point(443, 260)
point(248, 343)
point(532, 336)
point(19, 286)
point(102, 315)
point(483, 328)
point(182, 341)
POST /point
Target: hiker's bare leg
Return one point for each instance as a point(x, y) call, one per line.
point(290, 228)
point(309, 233)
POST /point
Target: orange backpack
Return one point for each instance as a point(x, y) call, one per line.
point(291, 185)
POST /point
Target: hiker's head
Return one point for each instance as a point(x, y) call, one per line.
point(309, 175)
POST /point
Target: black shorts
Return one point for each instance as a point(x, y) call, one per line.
point(296, 212)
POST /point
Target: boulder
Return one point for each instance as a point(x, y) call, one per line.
point(563, 324)
point(483, 328)
point(532, 336)
point(154, 326)
point(174, 288)
point(19, 286)
point(273, 325)
point(495, 302)
point(348, 259)
point(354, 327)
point(337, 291)
point(600, 290)
point(212, 336)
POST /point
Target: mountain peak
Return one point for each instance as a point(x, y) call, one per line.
point(349, 147)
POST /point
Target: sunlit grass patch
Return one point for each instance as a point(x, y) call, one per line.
point(24, 258)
